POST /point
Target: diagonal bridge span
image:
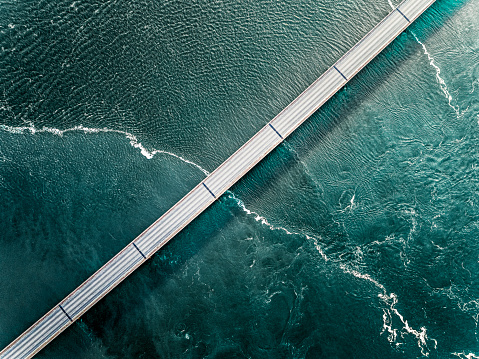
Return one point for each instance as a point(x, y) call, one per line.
point(214, 185)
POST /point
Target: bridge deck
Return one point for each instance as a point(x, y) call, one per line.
point(206, 192)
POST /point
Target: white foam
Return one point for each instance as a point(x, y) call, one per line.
point(388, 326)
point(463, 355)
point(421, 336)
point(413, 216)
point(266, 223)
point(439, 79)
point(89, 130)
point(390, 312)
point(350, 207)
point(363, 276)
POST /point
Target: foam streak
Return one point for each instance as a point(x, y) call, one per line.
point(439, 79)
point(390, 312)
point(132, 138)
point(265, 222)
point(466, 356)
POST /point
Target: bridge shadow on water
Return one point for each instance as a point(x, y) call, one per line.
point(312, 132)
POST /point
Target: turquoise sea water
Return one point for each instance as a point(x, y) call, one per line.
point(356, 238)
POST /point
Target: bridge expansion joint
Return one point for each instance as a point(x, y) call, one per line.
point(209, 190)
point(274, 129)
point(138, 249)
point(399, 11)
point(64, 311)
point(340, 73)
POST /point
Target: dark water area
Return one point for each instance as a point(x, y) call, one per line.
point(355, 238)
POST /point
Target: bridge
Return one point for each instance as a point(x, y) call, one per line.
point(214, 185)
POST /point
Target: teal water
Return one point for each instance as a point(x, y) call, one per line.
point(357, 237)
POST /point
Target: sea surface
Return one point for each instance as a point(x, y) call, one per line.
point(356, 238)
